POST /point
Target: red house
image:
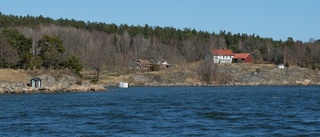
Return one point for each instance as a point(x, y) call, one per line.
point(243, 58)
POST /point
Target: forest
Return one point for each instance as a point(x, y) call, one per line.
point(28, 42)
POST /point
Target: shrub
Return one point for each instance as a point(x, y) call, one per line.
point(258, 70)
point(155, 67)
point(286, 64)
point(207, 71)
point(224, 78)
point(94, 81)
point(73, 63)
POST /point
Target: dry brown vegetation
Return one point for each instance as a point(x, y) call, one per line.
point(185, 74)
point(11, 75)
point(227, 74)
point(19, 75)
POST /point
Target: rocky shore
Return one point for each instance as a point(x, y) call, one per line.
point(230, 75)
point(50, 85)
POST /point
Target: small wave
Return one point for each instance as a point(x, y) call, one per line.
point(216, 115)
point(311, 123)
point(91, 123)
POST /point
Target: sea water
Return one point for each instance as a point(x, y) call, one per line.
point(165, 111)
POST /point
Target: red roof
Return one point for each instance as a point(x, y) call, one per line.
point(223, 52)
point(241, 55)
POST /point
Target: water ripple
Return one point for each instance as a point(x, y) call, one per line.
point(165, 111)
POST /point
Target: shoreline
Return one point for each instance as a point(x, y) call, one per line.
point(113, 86)
point(23, 88)
point(98, 88)
point(232, 75)
point(285, 83)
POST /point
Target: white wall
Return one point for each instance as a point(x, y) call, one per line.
point(222, 59)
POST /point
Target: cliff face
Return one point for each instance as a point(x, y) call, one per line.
point(237, 74)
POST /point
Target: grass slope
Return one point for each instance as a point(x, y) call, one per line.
point(12, 75)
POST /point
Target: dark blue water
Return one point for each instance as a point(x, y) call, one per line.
point(165, 111)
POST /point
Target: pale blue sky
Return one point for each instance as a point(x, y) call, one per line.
point(277, 19)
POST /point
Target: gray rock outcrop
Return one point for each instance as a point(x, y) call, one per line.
point(232, 74)
point(48, 81)
point(50, 84)
point(11, 87)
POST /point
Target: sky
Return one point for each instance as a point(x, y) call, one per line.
point(277, 19)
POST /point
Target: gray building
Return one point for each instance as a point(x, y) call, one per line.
point(35, 83)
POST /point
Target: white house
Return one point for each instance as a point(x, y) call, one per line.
point(222, 56)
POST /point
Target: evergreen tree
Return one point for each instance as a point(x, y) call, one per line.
point(21, 44)
point(51, 51)
point(74, 64)
point(8, 54)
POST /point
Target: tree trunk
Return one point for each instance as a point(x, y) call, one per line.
point(98, 74)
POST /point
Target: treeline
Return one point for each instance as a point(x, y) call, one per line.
point(113, 48)
point(17, 51)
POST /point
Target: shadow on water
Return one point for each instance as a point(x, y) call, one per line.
point(234, 116)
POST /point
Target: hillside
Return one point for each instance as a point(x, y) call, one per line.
point(185, 75)
point(22, 76)
point(233, 74)
point(11, 75)
point(44, 43)
point(18, 81)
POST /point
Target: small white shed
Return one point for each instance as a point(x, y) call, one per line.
point(281, 66)
point(35, 82)
point(123, 85)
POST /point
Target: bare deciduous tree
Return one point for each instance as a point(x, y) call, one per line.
point(8, 55)
point(207, 70)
